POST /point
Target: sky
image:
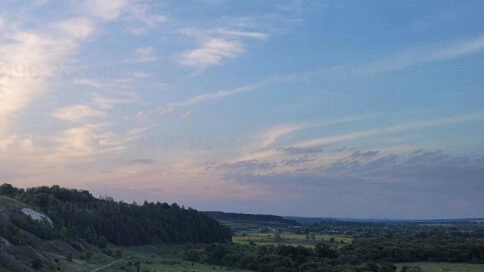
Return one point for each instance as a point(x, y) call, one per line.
point(305, 108)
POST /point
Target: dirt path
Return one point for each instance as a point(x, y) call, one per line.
point(108, 265)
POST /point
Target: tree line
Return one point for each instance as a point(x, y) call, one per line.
point(77, 214)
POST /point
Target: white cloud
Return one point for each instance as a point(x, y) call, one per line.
point(106, 10)
point(212, 51)
point(75, 142)
point(122, 98)
point(243, 34)
point(272, 135)
point(168, 110)
point(387, 130)
point(88, 82)
point(77, 113)
point(424, 54)
point(142, 18)
point(140, 115)
point(78, 28)
point(29, 60)
point(187, 114)
point(141, 75)
point(145, 54)
point(89, 141)
point(460, 49)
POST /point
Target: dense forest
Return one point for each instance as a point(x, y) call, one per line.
point(77, 214)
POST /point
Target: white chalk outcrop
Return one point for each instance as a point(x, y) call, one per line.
point(4, 242)
point(37, 216)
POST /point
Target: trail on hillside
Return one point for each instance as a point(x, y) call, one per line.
point(108, 265)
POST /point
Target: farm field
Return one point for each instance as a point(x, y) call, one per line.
point(446, 267)
point(287, 238)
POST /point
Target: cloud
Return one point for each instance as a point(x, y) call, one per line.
point(141, 161)
point(211, 52)
point(420, 183)
point(205, 97)
point(107, 103)
point(301, 150)
point(142, 19)
point(365, 154)
point(238, 33)
point(29, 59)
point(140, 115)
point(187, 114)
point(387, 130)
point(141, 75)
point(215, 45)
point(244, 167)
point(272, 135)
point(78, 28)
point(419, 55)
point(106, 10)
point(168, 110)
point(90, 141)
point(77, 113)
point(460, 49)
point(145, 54)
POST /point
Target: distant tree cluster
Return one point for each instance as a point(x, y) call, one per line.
point(238, 217)
point(77, 214)
point(283, 258)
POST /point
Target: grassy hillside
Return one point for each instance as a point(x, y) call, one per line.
point(59, 229)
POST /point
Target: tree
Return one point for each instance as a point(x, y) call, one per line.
point(8, 190)
point(118, 254)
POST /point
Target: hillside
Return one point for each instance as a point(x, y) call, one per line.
point(71, 223)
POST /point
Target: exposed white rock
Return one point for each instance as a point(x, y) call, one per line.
point(4, 242)
point(37, 216)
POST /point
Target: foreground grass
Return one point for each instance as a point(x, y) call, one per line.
point(158, 259)
point(446, 267)
point(291, 239)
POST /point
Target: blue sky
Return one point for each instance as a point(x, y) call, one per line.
point(313, 108)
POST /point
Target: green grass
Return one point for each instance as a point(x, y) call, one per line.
point(160, 258)
point(447, 267)
point(289, 239)
point(9, 203)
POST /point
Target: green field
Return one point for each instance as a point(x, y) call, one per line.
point(289, 239)
point(160, 258)
point(447, 267)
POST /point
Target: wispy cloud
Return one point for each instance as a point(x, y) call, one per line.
point(145, 54)
point(187, 114)
point(77, 113)
point(424, 54)
point(142, 19)
point(238, 33)
point(212, 51)
point(37, 56)
point(106, 10)
point(387, 130)
point(271, 136)
point(215, 45)
point(80, 27)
